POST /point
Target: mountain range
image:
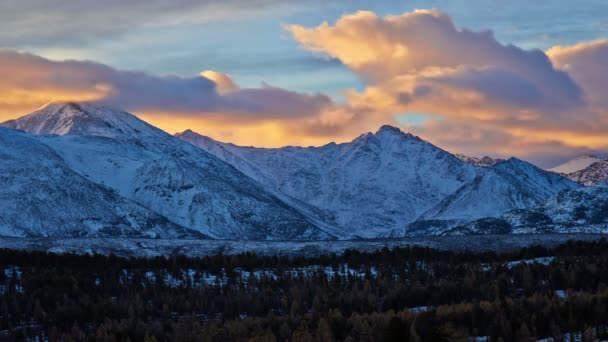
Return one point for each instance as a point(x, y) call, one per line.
point(184, 184)
point(84, 169)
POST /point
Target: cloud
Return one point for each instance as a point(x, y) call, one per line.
point(587, 64)
point(427, 51)
point(29, 81)
point(224, 83)
point(76, 23)
point(420, 62)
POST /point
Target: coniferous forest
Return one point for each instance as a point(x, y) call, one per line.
point(405, 294)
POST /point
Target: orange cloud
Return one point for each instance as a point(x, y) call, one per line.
point(223, 82)
point(29, 81)
point(492, 97)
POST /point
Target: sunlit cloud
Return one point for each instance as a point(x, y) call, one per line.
point(265, 115)
point(223, 82)
point(493, 98)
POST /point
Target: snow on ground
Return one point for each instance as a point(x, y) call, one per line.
point(419, 309)
point(197, 278)
point(543, 261)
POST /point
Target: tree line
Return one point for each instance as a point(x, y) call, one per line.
point(401, 294)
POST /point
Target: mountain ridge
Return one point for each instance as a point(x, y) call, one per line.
point(119, 151)
point(348, 175)
point(381, 184)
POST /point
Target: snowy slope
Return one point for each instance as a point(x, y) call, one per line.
point(187, 185)
point(576, 164)
point(369, 186)
point(508, 185)
point(570, 211)
point(42, 196)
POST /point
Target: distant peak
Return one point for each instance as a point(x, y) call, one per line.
point(62, 104)
point(588, 156)
point(83, 118)
point(186, 132)
point(389, 129)
point(514, 160)
point(576, 164)
point(76, 108)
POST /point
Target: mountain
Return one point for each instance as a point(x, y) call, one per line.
point(185, 184)
point(85, 119)
point(42, 196)
point(367, 187)
point(587, 170)
point(593, 174)
point(505, 186)
point(481, 162)
point(571, 211)
point(576, 164)
point(113, 174)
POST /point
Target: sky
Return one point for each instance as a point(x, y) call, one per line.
point(476, 77)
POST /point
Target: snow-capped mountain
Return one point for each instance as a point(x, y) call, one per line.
point(113, 174)
point(593, 174)
point(481, 162)
point(579, 210)
point(508, 185)
point(369, 186)
point(42, 196)
point(187, 185)
point(587, 170)
point(576, 164)
point(85, 119)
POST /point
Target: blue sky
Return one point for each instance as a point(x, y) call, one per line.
point(254, 48)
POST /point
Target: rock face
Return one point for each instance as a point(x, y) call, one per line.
point(185, 184)
point(582, 210)
point(481, 162)
point(369, 186)
point(42, 196)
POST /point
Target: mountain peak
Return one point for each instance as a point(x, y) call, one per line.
point(576, 164)
point(513, 162)
point(386, 129)
point(187, 131)
point(58, 105)
point(88, 119)
point(392, 131)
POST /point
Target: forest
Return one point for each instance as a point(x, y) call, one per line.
point(401, 294)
